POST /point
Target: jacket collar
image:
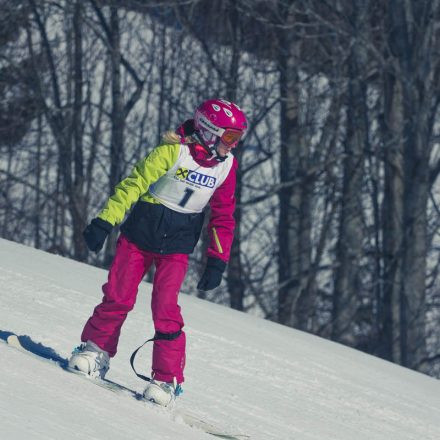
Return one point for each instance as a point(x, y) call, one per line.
point(201, 156)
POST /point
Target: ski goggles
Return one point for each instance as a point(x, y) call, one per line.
point(230, 137)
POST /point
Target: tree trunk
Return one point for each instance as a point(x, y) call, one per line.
point(236, 286)
point(77, 199)
point(235, 270)
point(294, 225)
point(415, 227)
point(390, 307)
point(117, 120)
point(348, 284)
point(38, 170)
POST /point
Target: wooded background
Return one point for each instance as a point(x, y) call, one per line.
point(338, 193)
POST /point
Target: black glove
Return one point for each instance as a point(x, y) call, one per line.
point(212, 276)
point(96, 233)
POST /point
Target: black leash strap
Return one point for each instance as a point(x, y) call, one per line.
point(157, 336)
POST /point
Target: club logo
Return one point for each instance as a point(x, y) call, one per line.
point(195, 177)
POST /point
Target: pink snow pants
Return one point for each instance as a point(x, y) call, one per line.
point(126, 272)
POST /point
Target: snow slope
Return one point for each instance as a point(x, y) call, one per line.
point(243, 373)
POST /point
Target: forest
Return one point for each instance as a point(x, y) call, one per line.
point(338, 190)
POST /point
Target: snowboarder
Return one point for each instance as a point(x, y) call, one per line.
point(170, 189)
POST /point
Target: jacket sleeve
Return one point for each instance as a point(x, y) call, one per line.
point(145, 172)
point(222, 223)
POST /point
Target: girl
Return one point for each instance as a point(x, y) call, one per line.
point(171, 187)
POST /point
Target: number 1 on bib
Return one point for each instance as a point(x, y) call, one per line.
point(186, 196)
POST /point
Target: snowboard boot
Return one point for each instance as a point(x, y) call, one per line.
point(162, 393)
point(89, 359)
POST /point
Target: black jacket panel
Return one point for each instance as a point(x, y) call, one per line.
point(158, 229)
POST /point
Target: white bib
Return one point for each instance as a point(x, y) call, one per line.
point(187, 186)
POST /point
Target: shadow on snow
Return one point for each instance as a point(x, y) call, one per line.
point(36, 347)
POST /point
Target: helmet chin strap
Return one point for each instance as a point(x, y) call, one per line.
point(217, 156)
point(211, 150)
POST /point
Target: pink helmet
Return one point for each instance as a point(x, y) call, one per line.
point(218, 120)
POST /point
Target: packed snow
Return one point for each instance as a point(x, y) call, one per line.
point(244, 374)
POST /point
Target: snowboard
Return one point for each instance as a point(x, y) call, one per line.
point(178, 415)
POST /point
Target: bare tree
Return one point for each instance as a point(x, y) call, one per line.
point(412, 90)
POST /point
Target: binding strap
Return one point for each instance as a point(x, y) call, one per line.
point(157, 336)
